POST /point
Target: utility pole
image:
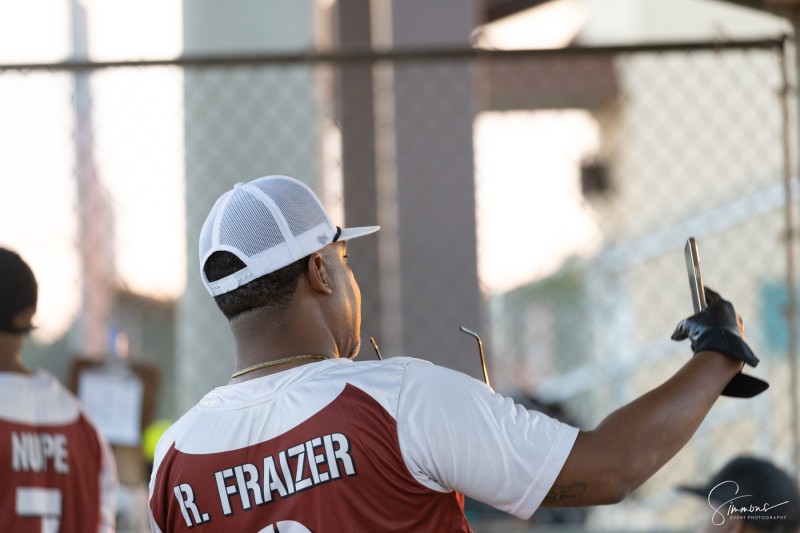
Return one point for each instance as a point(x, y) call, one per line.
point(95, 219)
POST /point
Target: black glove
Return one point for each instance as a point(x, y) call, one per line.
point(717, 328)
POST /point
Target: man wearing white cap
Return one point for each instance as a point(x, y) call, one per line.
point(305, 439)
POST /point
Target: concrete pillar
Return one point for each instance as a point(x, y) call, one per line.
point(357, 122)
point(435, 186)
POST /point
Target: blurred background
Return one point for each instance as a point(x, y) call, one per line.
point(536, 167)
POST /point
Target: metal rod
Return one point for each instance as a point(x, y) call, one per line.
point(791, 262)
point(480, 352)
point(375, 346)
point(396, 55)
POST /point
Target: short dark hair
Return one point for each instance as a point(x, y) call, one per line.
point(273, 291)
point(18, 290)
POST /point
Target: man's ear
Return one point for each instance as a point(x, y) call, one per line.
point(317, 275)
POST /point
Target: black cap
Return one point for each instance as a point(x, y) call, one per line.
point(753, 490)
point(18, 290)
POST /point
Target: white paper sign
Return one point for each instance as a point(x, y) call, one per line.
point(114, 403)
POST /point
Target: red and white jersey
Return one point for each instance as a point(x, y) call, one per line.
point(343, 446)
point(58, 473)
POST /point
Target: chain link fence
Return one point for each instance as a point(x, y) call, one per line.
point(541, 198)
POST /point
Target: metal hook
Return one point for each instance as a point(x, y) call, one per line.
point(480, 351)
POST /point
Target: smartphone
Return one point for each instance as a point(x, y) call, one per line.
point(695, 278)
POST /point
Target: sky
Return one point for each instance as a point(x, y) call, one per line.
point(531, 210)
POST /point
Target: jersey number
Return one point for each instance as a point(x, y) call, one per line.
point(41, 502)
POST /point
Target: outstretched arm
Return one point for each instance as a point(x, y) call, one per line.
point(632, 443)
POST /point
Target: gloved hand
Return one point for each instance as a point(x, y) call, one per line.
point(718, 328)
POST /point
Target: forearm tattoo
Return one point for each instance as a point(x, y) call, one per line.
point(566, 493)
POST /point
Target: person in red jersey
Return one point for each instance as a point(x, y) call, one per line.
point(58, 473)
point(305, 439)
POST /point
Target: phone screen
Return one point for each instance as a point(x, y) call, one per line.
point(695, 279)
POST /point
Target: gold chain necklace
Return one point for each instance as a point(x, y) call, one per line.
point(277, 362)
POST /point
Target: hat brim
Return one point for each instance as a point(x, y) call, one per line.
point(697, 491)
point(352, 233)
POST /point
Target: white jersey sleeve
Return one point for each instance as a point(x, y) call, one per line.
point(457, 434)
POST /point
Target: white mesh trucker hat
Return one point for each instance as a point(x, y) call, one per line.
point(268, 223)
